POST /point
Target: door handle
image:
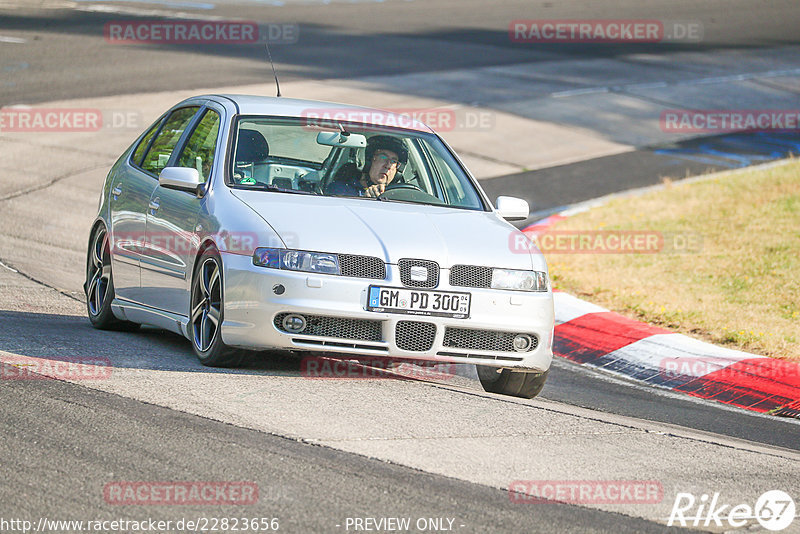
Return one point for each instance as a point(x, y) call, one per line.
point(117, 190)
point(154, 204)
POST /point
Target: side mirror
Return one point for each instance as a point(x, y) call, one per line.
point(342, 139)
point(180, 178)
point(512, 208)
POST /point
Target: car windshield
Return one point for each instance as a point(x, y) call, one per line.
point(330, 159)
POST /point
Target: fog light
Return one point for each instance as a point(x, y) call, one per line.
point(522, 342)
point(294, 323)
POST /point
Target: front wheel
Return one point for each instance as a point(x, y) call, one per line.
point(207, 311)
point(513, 382)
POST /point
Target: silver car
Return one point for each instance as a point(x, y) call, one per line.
point(252, 223)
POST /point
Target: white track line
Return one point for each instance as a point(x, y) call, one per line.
point(699, 81)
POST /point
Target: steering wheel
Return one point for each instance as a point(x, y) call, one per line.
point(399, 186)
point(409, 193)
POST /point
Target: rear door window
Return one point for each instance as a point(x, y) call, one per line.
point(164, 143)
point(141, 148)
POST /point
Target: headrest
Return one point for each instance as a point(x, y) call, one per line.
point(252, 146)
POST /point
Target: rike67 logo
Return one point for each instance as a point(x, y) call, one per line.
point(774, 510)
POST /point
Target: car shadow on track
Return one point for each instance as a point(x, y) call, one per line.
point(72, 338)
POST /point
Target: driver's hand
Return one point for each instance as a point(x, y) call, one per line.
point(374, 191)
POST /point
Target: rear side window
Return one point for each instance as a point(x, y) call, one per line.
point(138, 154)
point(164, 143)
point(199, 150)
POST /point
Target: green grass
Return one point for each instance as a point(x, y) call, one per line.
point(740, 287)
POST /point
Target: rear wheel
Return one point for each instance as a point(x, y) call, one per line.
point(207, 312)
point(514, 382)
point(99, 285)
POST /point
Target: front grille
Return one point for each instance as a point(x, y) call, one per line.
point(414, 336)
point(320, 325)
point(469, 338)
point(431, 268)
point(495, 357)
point(362, 266)
point(470, 276)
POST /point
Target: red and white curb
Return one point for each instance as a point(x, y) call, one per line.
point(593, 336)
point(596, 337)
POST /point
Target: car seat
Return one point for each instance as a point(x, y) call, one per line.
point(251, 151)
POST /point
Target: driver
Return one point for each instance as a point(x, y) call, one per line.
point(385, 156)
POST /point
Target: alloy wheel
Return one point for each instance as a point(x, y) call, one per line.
point(206, 305)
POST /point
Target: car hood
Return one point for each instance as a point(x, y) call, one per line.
point(392, 230)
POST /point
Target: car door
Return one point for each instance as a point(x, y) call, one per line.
point(131, 196)
point(131, 189)
point(172, 219)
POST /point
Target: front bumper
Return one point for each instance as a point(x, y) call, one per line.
point(255, 296)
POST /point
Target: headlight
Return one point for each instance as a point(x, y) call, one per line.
point(297, 260)
point(519, 280)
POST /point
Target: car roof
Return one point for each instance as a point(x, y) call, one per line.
point(295, 107)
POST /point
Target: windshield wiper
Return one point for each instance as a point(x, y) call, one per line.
point(273, 188)
point(381, 199)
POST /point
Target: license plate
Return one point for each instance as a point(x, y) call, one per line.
point(416, 302)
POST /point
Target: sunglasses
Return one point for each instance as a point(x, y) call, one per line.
point(383, 158)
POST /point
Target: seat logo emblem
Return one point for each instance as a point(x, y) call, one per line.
point(419, 273)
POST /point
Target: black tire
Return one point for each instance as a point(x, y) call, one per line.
point(207, 312)
point(513, 382)
point(99, 286)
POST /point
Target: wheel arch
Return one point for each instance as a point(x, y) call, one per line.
point(98, 223)
point(205, 246)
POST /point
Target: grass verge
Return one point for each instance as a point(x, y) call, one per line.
point(717, 259)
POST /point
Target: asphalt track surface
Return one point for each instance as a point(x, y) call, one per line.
point(67, 57)
point(307, 488)
point(55, 423)
point(547, 190)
